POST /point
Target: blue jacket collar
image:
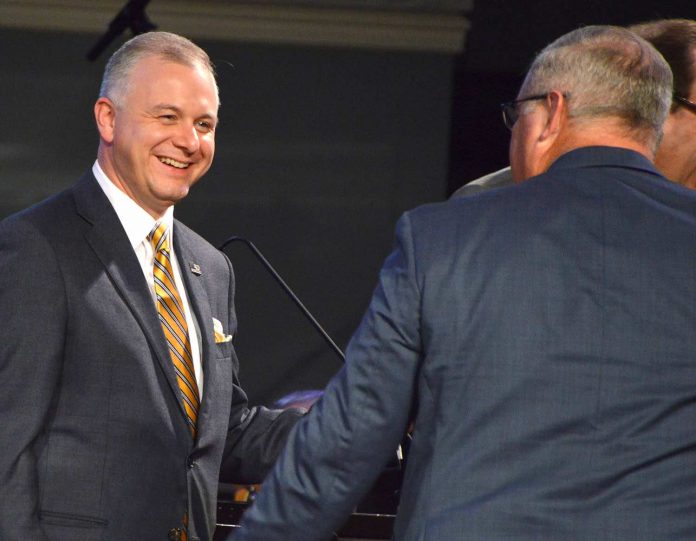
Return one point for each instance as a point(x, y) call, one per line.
point(601, 156)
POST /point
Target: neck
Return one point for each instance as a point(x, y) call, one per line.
point(608, 134)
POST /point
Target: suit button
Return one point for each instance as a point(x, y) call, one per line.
point(190, 462)
point(174, 534)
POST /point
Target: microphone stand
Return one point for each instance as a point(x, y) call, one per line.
point(287, 290)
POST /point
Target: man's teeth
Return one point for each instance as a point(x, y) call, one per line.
point(174, 163)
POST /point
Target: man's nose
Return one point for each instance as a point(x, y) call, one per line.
point(187, 138)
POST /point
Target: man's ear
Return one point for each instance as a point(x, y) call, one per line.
point(105, 116)
point(556, 116)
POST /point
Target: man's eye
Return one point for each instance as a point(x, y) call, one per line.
point(167, 118)
point(204, 126)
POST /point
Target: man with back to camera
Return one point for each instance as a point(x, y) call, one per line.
point(121, 408)
point(544, 334)
point(675, 39)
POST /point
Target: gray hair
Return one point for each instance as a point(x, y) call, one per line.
point(171, 47)
point(607, 71)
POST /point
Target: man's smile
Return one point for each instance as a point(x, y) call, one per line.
point(173, 162)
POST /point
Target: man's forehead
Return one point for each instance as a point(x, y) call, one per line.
point(148, 65)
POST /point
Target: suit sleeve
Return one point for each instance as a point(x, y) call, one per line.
point(256, 435)
point(255, 440)
point(33, 305)
point(338, 449)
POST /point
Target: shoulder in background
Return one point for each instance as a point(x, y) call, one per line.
point(497, 179)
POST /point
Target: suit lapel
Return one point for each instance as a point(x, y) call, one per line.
point(112, 247)
point(191, 274)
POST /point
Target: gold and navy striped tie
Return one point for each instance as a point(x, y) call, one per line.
point(171, 316)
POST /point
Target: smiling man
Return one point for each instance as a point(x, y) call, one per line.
point(121, 408)
point(157, 136)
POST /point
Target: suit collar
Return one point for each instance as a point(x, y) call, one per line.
point(192, 273)
point(601, 156)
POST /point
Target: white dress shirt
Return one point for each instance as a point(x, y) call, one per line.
point(138, 223)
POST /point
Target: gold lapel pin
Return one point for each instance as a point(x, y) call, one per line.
point(196, 269)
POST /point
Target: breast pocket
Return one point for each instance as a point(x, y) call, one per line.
point(223, 349)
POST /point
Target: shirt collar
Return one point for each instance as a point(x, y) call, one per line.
point(134, 219)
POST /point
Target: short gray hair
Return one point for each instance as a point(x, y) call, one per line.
point(607, 71)
point(171, 47)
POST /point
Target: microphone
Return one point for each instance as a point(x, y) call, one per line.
point(287, 290)
point(132, 16)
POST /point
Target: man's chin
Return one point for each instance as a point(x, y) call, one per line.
point(173, 190)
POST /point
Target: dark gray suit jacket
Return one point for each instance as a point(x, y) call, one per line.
point(93, 441)
point(546, 335)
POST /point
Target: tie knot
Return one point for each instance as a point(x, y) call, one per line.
point(159, 238)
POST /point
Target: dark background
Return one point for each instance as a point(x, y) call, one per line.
point(320, 150)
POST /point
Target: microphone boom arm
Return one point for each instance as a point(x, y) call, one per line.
point(287, 290)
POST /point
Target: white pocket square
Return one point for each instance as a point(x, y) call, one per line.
point(220, 336)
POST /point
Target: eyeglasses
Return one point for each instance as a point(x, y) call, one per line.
point(690, 105)
point(509, 108)
point(510, 112)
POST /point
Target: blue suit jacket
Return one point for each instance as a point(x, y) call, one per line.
point(546, 336)
point(93, 440)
